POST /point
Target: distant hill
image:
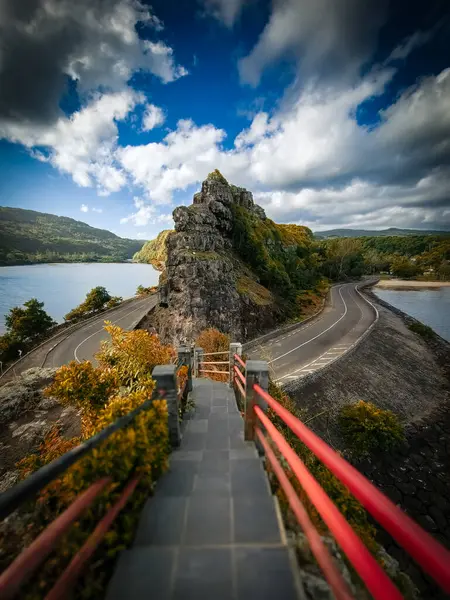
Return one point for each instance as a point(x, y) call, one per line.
point(28, 236)
point(373, 233)
point(154, 252)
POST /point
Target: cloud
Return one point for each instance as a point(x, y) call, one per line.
point(328, 39)
point(92, 41)
point(83, 145)
point(84, 208)
point(97, 210)
point(153, 117)
point(226, 11)
point(147, 214)
point(313, 162)
point(184, 156)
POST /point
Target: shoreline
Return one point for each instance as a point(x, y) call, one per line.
point(407, 284)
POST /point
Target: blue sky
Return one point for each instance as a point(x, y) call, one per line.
point(333, 114)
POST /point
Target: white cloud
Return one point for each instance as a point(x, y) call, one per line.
point(185, 156)
point(326, 38)
point(226, 11)
point(147, 214)
point(83, 145)
point(84, 208)
point(153, 117)
point(97, 210)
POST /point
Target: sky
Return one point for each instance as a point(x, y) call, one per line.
point(333, 113)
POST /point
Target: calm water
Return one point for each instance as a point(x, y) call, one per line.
point(63, 286)
point(432, 307)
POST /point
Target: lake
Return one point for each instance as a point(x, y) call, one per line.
point(431, 306)
point(63, 286)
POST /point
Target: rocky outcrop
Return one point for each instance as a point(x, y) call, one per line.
point(154, 252)
point(203, 285)
point(26, 417)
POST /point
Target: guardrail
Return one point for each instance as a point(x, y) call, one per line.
point(29, 560)
point(251, 387)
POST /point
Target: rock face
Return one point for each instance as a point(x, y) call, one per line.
point(200, 286)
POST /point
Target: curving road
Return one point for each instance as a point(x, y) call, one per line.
point(83, 342)
point(322, 340)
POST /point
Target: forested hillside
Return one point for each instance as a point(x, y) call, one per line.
point(28, 236)
point(392, 231)
point(154, 252)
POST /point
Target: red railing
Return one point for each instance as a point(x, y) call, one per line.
point(426, 551)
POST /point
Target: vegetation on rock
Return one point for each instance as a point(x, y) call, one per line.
point(154, 252)
point(28, 236)
point(367, 428)
point(142, 291)
point(422, 330)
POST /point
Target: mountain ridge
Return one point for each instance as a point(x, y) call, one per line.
point(29, 236)
point(376, 232)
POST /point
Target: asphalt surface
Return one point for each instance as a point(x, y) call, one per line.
point(84, 343)
point(321, 341)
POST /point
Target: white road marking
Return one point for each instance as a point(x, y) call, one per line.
point(318, 335)
point(101, 329)
point(342, 347)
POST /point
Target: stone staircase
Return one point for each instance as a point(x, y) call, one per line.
point(212, 529)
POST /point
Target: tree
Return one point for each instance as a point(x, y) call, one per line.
point(96, 298)
point(402, 267)
point(28, 322)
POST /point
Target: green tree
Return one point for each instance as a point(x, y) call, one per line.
point(96, 298)
point(28, 322)
point(402, 267)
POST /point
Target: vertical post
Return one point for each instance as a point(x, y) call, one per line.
point(184, 359)
point(165, 377)
point(198, 360)
point(257, 371)
point(235, 348)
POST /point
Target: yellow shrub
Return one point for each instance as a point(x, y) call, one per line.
point(82, 385)
point(212, 340)
point(367, 428)
point(133, 355)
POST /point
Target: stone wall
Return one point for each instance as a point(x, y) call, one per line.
point(397, 370)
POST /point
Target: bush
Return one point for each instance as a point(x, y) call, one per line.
point(145, 291)
point(422, 330)
point(367, 428)
point(28, 322)
point(97, 299)
point(120, 384)
point(114, 301)
point(212, 340)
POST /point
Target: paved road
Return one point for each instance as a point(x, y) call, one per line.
point(319, 342)
point(84, 342)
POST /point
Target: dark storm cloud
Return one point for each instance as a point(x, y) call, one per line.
point(40, 39)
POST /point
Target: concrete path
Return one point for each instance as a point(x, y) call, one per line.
point(211, 531)
point(322, 340)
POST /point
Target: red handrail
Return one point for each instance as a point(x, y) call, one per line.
point(238, 359)
point(376, 580)
point(29, 559)
point(433, 558)
point(239, 374)
point(60, 590)
point(240, 388)
point(336, 581)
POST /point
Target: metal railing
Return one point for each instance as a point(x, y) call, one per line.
point(421, 546)
point(28, 561)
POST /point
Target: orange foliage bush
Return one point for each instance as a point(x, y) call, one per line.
point(212, 340)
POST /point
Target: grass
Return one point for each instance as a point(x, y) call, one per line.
point(423, 330)
point(246, 286)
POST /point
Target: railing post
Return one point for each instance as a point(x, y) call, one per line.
point(166, 382)
point(198, 358)
point(235, 348)
point(184, 359)
point(257, 371)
